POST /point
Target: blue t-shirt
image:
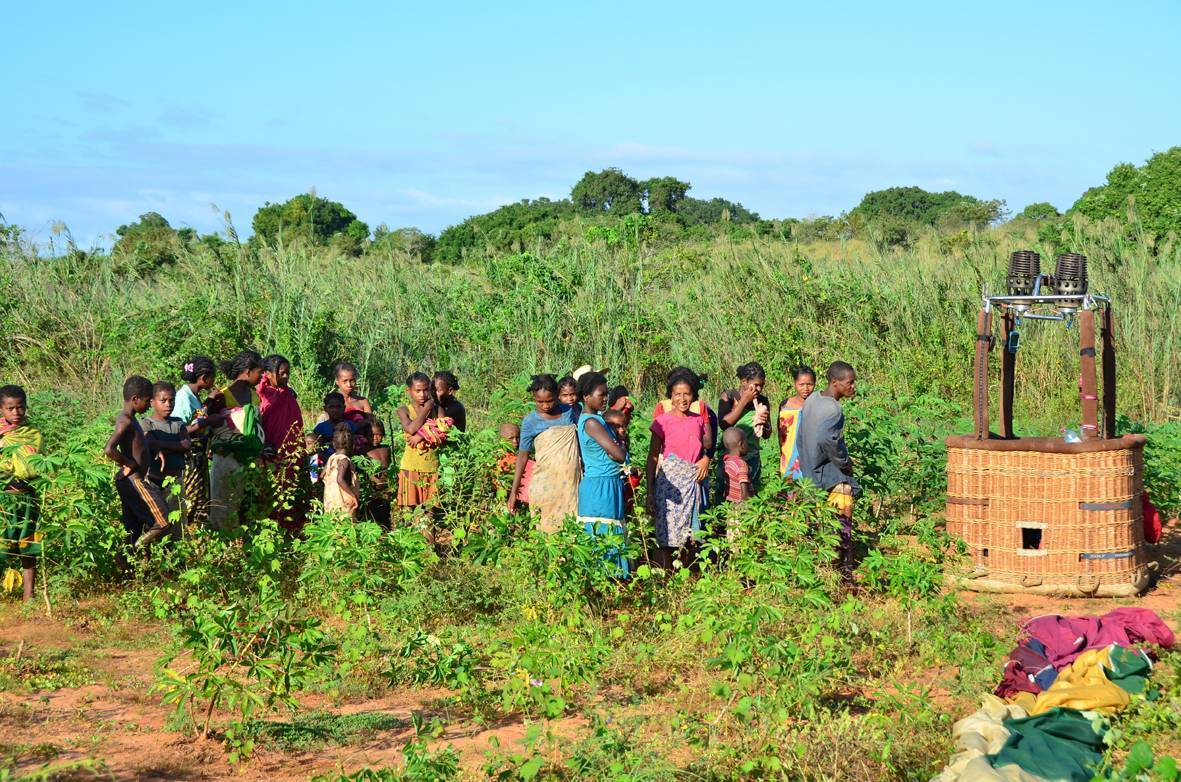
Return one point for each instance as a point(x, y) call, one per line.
point(534, 425)
point(324, 430)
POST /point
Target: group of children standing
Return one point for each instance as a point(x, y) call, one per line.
point(570, 456)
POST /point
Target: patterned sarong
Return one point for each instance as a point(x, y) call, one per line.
point(679, 502)
point(553, 487)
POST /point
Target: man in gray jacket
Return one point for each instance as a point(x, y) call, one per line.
point(824, 458)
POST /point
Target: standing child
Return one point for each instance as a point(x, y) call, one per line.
point(344, 375)
point(804, 382)
point(311, 449)
point(568, 392)
point(199, 376)
point(600, 492)
point(377, 508)
point(738, 484)
point(618, 420)
point(332, 416)
point(677, 468)
point(168, 442)
point(145, 512)
point(19, 508)
point(446, 386)
point(424, 432)
point(506, 468)
point(340, 491)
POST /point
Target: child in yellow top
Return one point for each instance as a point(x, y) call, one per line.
point(19, 511)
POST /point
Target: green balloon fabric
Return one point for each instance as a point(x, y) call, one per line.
point(1130, 669)
point(1061, 744)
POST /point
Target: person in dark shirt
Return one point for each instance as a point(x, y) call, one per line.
point(824, 459)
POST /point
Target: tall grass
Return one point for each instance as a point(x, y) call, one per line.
point(905, 318)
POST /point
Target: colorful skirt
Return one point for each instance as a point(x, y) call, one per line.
point(19, 513)
point(680, 498)
point(196, 487)
point(416, 488)
point(615, 555)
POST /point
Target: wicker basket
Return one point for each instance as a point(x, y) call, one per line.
point(1044, 516)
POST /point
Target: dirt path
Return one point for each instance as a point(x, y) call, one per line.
point(99, 706)
point(114, 718)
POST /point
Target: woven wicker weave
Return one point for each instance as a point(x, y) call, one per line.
point(1040, 517)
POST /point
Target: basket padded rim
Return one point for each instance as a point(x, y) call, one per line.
point(1046, 444)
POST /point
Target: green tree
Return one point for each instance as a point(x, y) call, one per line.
point(665, 193)
point(1042, 210)
point(696, 211)
point(1153, 191)
point(610, 190)
point(147, 244)
point(309, 218)
point(915, 205)
point(404, 241)
point(510, 228)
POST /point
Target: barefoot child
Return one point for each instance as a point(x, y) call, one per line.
point(19, 508)
point(340, 491)
point(168, 443)
point(145, 512)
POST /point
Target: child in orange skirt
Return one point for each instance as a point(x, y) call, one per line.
point(424, 431)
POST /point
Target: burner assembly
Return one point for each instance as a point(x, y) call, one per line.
point(1048, 515)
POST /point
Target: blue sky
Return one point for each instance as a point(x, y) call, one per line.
point(422, 114)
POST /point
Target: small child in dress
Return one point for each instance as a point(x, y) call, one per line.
point(510, 434)
point(168, 443)
point(340, 490)
point(737, 470)
point(19, 507)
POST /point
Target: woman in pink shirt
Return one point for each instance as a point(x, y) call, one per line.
point(678, 466)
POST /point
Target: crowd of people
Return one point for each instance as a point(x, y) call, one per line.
point(186, 461)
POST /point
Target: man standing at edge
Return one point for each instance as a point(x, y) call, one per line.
point(824, 459)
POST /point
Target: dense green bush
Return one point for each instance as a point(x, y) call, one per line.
point(1148, 195)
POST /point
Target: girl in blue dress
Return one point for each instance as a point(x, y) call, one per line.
point(600, 491)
